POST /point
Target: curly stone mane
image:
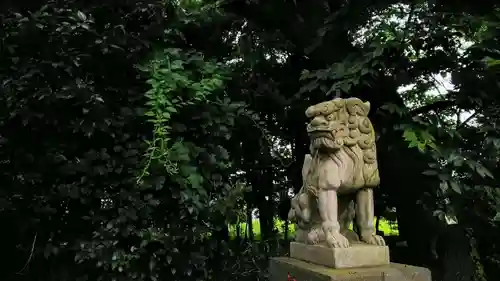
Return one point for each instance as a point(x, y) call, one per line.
point(341, 130)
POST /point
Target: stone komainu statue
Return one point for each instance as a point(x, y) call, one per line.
point(338, 176)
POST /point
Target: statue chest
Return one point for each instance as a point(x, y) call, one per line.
point(334, 174)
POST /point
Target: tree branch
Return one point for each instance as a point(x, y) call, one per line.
point(30, 256)
point(467, 120)
point(438, 105)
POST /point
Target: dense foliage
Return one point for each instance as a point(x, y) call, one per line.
point(133, 132)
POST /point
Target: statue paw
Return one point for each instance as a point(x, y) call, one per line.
point(373, 239)
point(315, 236)
point(333, 237)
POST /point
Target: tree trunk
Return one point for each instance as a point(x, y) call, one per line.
point(249, 222)
point(454, 255)
point(238, 231)
point(264, 199)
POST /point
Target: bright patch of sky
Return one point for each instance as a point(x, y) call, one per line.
point(396, 19)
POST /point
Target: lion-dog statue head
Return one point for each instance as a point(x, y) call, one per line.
point(341, 128)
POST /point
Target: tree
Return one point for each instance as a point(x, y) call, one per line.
point(125, 141)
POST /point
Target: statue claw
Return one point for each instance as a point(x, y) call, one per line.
point(373, 239)
point(333, 237)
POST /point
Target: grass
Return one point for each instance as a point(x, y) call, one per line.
point(389, 228)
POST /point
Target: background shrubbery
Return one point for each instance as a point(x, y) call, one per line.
point(135, 135)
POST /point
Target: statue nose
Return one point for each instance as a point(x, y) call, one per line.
point(319, 121)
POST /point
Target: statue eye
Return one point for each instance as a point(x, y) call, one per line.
point(330, 117)
point(326, 109)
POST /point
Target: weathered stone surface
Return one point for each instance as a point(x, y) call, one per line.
point(358, 255)
point(413, 273)
point(339, 176)
point(281, 267)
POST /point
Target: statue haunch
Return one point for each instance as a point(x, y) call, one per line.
point(338, 176)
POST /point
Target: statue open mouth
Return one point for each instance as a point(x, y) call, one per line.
point(320, 134)
point(315, 133)
point(317, 129)
point(322, 140)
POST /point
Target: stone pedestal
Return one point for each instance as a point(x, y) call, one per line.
point(358, 255)
point(281, 268)
point(360, 262)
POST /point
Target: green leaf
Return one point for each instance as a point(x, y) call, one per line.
point(171, 109)
point(391, 107)
point(443, 186)
point(152, 264)
point(430, 173)
point(81, 16)
point(421, 147)
point(497, 217)
point(433, 146)
point(410, 136)
point(483, 172)
point(490, 62)
point(426, 136)
point(378, 52)
point(455, 187)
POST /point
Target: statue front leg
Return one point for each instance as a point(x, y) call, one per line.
point(365, 216)
point(328, 211)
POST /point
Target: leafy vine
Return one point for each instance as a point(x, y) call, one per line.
point(175, 82)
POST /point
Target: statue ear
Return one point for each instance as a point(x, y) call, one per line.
point(310, 111)
point(367, 106)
